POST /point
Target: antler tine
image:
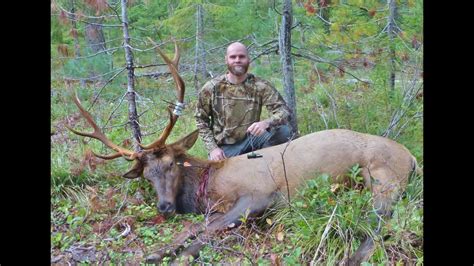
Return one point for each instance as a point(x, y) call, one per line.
point(97, 134)
point(173, 67)
point(177, 56)
point(113, 156)
point(164, 135)
point(180, 88)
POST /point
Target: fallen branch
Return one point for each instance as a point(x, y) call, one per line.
point(323, 237)
point(125, 232)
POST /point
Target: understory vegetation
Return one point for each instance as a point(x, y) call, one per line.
point(99, 217)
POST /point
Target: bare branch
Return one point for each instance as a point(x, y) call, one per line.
point(274, 8)
point(321, 60)
point(323, 237)
point(117, 15)
point(153, 74)
point(115, 109)
point(97, 24)
point(100, 91)
point(80, 14)
point(415, 116)
point(94, 77)
point(408, 99)
point(272, 49)
point(92, 55)
point(149, 65)
point(333, 101)
point(284, 167)
point(227, 44)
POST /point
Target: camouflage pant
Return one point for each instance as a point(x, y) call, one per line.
point(275, 136)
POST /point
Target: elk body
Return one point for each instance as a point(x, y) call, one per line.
point(240, 186)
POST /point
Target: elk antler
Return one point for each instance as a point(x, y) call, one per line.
point(97, 134)
point(180, 87)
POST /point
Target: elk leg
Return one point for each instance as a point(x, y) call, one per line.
point(178, 242)
point(250, 205)
point(385, 191)
point(188, 232)
point(363, 253)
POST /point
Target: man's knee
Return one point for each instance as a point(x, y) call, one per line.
point(280, 134)
point(231, 150)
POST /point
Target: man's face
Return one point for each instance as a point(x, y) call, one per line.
point(237, 60)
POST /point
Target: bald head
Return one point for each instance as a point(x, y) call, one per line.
point(236, 46)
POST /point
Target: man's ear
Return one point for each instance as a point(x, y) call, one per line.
point(135, 171)
point(187, 142)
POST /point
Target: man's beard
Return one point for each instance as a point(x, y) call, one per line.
point(239, 70)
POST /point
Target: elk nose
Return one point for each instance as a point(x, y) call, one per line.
point(165, 207)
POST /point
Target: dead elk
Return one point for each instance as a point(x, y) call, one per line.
point(239, 186)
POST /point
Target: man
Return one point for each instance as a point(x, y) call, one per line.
point(229, 107)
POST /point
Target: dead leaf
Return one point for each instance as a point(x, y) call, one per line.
point(130, 220)
point(63, 19)
point(275, 259)
point(159, 219)
point(187, 224)
point(109, 193)
point(331, 202)
point(95, 203)
point(101, 227)
point(269, 221)
point(335, 187)
point(280, 227)
point(280, 236)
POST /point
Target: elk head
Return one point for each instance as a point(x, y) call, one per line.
point(156, 162)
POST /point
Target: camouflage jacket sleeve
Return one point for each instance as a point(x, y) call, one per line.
point(273, 101)
point(203, 116)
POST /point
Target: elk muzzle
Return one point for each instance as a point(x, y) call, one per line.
point(166, 207)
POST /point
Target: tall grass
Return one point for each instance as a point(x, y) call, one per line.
point(329, 224)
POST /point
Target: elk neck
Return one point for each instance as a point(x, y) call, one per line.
point(191, 197)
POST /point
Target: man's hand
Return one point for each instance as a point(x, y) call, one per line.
point(258, 128)
point(217, 154)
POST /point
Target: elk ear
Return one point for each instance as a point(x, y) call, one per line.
point(135, 171)
point(187, 142)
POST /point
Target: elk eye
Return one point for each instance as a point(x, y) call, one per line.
point(171, 164)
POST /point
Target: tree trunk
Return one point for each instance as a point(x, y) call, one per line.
point(132, 108)
point(200, 60)
point(77, 49)
point(95, 35)
point(284, 42)
point(392, 7)
point(95, 39)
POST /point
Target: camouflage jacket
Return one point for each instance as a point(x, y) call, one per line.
point(224, 110)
